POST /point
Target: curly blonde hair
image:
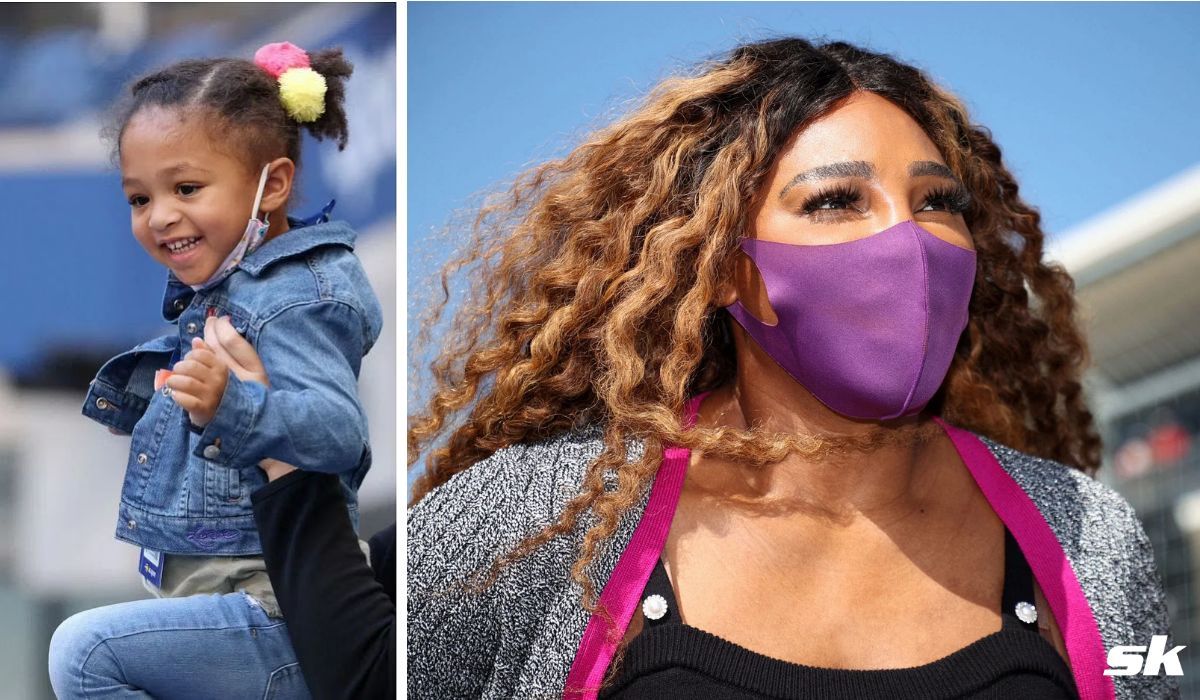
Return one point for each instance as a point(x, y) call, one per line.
point(595, 287)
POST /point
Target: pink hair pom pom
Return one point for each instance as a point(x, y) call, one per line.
point(280, 56)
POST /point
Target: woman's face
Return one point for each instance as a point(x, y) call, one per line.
point(858, 170)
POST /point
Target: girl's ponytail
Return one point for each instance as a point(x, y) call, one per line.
point(332, 124)
point(312, 87)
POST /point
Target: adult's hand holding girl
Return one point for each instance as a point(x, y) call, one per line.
point(233, 350)
point(238, 355)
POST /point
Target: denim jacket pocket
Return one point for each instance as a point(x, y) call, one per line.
point(227, 489)
point(122, 389)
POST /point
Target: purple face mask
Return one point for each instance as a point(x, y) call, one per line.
point(868, 326)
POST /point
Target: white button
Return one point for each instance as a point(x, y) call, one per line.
point(654, 607)
point(1026, 612)
point(102, 403)
point(191, 328)
point(141, 458)
point(212, 452)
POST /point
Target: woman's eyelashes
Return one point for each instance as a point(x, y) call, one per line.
point(830, 202)
point(953, 200)
point(846, 200)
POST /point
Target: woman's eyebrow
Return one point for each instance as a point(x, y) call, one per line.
point(850, 168)
point(928, 167)
point(865, 170)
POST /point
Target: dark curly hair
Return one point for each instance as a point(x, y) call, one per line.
point(595, 287)
point(241, 102)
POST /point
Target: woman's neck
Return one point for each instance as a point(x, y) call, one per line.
point(890, 480)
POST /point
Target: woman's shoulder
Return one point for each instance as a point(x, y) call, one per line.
point(485, 510)
point(1108, 551)
point(1059, 489)
point(534, 479)
point(1098, 529)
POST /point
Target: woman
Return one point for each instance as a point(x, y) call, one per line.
point(766, 391)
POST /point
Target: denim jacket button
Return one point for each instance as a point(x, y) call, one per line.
point(141, 458)
point(179, 305)
point(191, 328)
point(102, 403)
point(212, 452)
point(132, 525)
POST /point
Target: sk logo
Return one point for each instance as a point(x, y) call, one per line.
point(1128, 660)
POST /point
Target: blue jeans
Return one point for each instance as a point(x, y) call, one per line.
point(201, 646)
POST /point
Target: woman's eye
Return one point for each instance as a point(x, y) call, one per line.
point(138, 200)
point(952, 200)
point(830, 203)
point(833, 200)
point(187, 190)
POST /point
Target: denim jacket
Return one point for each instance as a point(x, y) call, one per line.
point(303, 300)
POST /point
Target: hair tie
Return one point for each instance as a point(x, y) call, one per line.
point(301, 89)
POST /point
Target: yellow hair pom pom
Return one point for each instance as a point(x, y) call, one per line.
point(302, 91)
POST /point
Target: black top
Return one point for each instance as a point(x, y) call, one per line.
point(340, 612)
point(670, 660)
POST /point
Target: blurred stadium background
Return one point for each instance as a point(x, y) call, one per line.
point(78, 289)
point(1137, 275)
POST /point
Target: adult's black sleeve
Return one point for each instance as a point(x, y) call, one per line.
point(339, 613)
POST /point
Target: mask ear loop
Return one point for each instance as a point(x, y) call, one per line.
point(262, 183)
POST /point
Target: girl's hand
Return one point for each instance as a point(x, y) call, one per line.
point(198, 382)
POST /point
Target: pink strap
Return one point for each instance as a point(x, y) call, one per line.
point(1047, 560)
point(1010, 502)
point(624, 589)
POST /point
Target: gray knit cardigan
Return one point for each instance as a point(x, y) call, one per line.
point(519, 638)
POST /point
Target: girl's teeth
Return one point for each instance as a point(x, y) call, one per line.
point(181, 246)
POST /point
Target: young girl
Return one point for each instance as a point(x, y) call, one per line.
point(209, 152)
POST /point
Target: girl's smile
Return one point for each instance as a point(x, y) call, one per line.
point(183, 250)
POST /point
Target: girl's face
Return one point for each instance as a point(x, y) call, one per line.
point(189, 202)
point(862, 168)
